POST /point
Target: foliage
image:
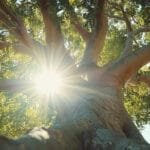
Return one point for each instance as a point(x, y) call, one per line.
point(19, 111)
point(137, 103)
point(112, 50)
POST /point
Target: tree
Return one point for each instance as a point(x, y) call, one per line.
point(94, 117)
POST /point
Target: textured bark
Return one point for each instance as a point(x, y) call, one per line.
point(130, 38)
point(13, 23)
point(126, 66)
point(140, 78)
point(96, 138)
point(37, 50)
point(54, 39)
point(3, 44)
point(52, 27)
point(126, 19)
point(98, 36)
point(85, 35)
point(94, 118)
point(75, 21)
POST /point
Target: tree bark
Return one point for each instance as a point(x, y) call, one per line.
point(93, 119)
point(97, 39)
point(126, 66)
point(4, 44)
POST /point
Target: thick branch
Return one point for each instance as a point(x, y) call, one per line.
point(142, 29)
point(129, 64)
point(130, 38)
point(52, 28)
point(13, 85)
point(126, 19)
point(3, 44)
point(101, 29)
point(75, 21)
point(96, 42)
point(21, 48)
point(38, 50)
point(13, 23)
point(85, 34)
point(128, 44)
point(141, 78)
point(54, 38)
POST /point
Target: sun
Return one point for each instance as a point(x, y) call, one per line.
point(49, 82)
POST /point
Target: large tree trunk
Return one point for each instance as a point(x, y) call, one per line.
point(93, 120)
point(94, 117)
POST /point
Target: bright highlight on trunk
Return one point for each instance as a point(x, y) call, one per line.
point(48, 83)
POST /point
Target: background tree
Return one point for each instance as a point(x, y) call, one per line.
point(99, 47)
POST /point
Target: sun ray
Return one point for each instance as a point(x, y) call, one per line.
point(48, 82)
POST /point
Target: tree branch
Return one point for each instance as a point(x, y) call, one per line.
point(142, 29)
point(119, 7)
point(115, 17)
point(127, 65)
point(4, 44)
point(129, 41)
point(113, 5)
point(52, 28)
point(13, 85)
point(38, 50)
point(131, 33)
point(96, 42)
point(130, 38)
point(13, 23)
point(141, 78)
point(75, 21)
point(85, 34)
point(54, 37)
point(126, 19)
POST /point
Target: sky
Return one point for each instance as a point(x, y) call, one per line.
point(146, 132)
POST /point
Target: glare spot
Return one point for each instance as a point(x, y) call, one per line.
point(48, 82)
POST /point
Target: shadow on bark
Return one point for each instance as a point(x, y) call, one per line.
point(96, 138)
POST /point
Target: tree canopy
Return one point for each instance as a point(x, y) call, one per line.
point(59, 34)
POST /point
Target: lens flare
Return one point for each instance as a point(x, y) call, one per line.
point(49, 82)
